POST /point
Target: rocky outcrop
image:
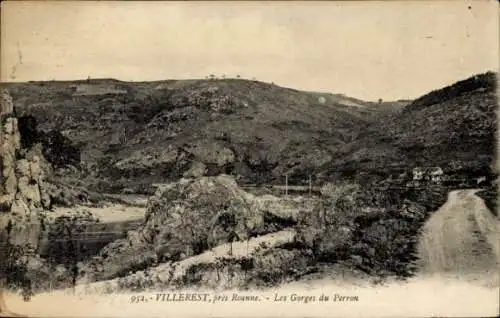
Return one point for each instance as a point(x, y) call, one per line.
point(191, 216)
point(23, 170)
point(25, 197)
point(208, 97)
point(10, 142)
point(153, 161)
point(188, 217)
point(23, 187)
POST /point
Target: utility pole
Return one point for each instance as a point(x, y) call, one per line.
point(286, 184)
point(310, 185)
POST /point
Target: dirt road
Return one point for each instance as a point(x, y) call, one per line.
point(461, 237)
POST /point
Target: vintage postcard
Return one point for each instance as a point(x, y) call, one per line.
point(249, 159)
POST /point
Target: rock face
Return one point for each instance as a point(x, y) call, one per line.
point(197, 169)
point(23, 170)
point(23, 190)
point(10, 142)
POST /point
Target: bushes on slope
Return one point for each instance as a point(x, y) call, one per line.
point(375, 231)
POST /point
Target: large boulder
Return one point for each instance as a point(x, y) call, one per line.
point(192, 215)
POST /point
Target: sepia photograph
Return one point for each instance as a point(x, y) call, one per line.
point(249, 159)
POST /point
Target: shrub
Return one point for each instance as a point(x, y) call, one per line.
point(379, 230)
point(277, 265)
point(140, 281)
point(64, 236)
point(328, 230)
point(334, 191)
point(387, 247)
point(490, 197)
point(14, 268)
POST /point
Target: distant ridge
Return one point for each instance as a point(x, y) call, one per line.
point(482, 82)
point(259, 132)
point(453, 127)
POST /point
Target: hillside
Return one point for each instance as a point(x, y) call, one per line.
point(453, 127)
point(129, 135)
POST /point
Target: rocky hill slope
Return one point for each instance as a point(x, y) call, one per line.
point(134, 134)
point(125, 136)
point(453, 128)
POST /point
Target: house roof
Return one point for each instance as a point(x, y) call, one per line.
point(427, 169)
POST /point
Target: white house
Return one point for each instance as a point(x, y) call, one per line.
point(434, 174)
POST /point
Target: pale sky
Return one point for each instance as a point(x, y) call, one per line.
point(368, 50)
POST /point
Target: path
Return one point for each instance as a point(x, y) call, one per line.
point(461, 237)
point(169, 272)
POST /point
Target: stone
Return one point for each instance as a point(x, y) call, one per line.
point(29, 190)
point(23, 168)
point(197, 169)
point(10, 145)
point(6, 103)
point(20, 207)
point(35, 168)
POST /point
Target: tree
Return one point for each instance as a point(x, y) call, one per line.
point(119, 137)
point(66, 234)
point(232, 236)
point(14, 267)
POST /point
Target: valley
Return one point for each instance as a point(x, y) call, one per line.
point(236, 184)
